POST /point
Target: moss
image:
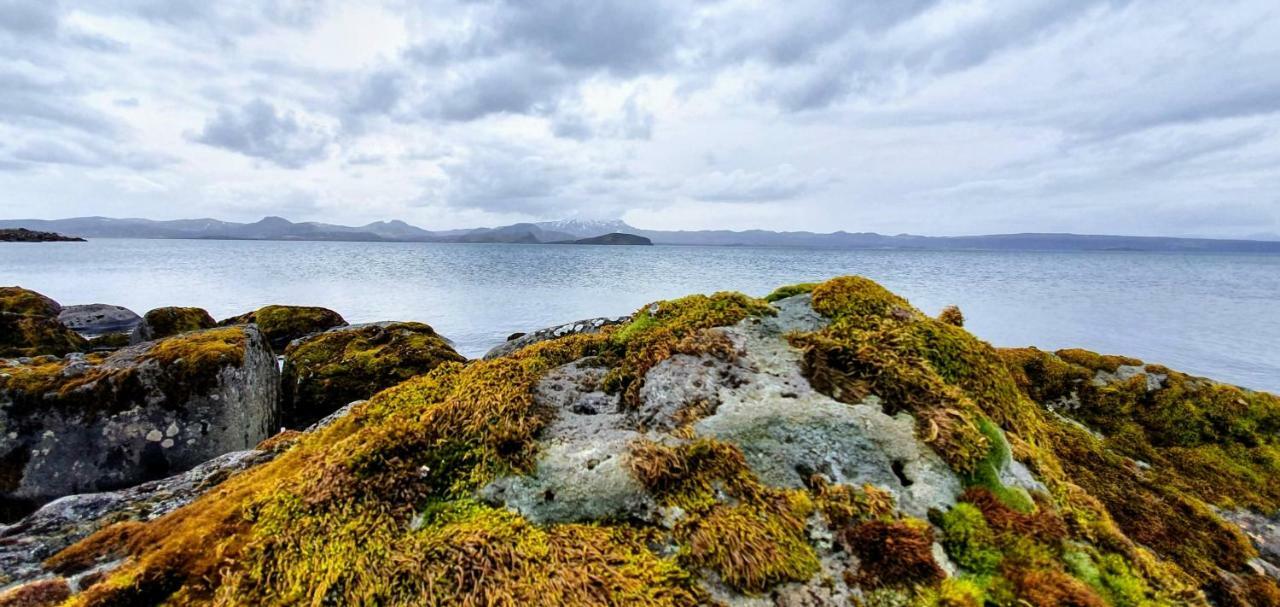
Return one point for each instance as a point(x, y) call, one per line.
point(951, 315)
point(40, 593)
point(24, 302)
point(1094, 361)
point(164, 322)
point(969, 540)
point(280, 441)
point(325, 372)
point(37, 335)
point(987, 472)
point(109, 341)
point(844, 506)
point(283, 324)
point(893, 553)
point(790, 291)
point(954, 592)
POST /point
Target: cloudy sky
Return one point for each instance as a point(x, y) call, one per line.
point(922, 116)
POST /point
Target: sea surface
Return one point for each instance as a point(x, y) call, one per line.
point(1216, 315)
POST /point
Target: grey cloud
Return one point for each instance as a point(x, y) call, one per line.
point(783, 182)
point(257, 129)
point(86, 153)
point(29, 18)
point(510, 85)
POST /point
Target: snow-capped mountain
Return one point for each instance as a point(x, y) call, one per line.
point(587, 228)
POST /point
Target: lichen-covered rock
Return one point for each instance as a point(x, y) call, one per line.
point(834, 446)
point(94, 320)
point(173, 320)
point(29, 326)
point(95, 422)
point(515, 341)
point(326, 371)
point(283, 324)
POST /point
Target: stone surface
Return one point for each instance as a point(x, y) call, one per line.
point(94, 423)
point(325, 372)
point(94, 320)
point(514, 343)
point(1264, 532)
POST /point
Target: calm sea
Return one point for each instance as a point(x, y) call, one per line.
point(1216, 315)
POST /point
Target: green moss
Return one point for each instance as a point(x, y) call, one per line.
point(329, 370)
point(283, 324)
point(29, 326)
point(164, 322)
point(987, 473)
point(969, 540)
point(109, 341)
point(790, 291)
point(1094, 361)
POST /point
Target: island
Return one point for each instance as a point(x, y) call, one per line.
point(25, 235)
point(616, 238)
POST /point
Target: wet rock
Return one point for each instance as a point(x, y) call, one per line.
point(283, 324)
point(94, 422)
point(94, 320)
point(164, 322)
point(520, 340)
point(324, 372)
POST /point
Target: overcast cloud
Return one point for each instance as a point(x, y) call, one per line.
point(922, 116)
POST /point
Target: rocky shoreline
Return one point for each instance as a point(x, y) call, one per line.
point(25, 235)
point(827, 445)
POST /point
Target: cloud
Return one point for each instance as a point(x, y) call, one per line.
point(258, 130)
point(783, 182)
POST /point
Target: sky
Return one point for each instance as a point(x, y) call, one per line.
point(929, 117)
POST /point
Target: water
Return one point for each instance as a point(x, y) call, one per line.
point(1207, 314)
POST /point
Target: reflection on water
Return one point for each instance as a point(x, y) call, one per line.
point(1213, 315)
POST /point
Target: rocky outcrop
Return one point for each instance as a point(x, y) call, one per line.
point(94, 422)
point(283, 324)
point(326, 371)
point(29, 325)
point(519, 340)
point(25, 235)
point(96, 320)
point(831, 445)
point(164, 322)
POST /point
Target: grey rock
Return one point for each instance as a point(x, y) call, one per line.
point(93, 320)
point(590, 325)
point(1264, 532)
point(62, 522)
point(581, 474)
point(132, 420)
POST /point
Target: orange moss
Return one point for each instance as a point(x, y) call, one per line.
point(893, 553)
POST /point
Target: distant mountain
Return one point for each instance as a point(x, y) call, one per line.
point(278, 228)
point(587, 228)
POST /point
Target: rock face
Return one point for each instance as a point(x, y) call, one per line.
point(29, 325)
point(283, 324)
point(520, 340)
point(324, 372)
point(95, 320)
point(164, 322)
point(94, 422)
point(830, 445)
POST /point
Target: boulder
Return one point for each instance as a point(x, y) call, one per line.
point(516, 341)
point(96, 422)
point(94, 320)
point(29, 325)
point(164, 322)
point(283, 324)
point(324, 372)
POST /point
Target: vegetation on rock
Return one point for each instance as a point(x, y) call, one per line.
point(173, 320)
point(382, 506)
point(29, 326)
point(283, 324)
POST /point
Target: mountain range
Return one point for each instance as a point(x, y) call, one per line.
point(278, 228)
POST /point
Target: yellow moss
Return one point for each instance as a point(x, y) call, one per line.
point(282, 324)
point(951, 315)
point(24, 302)
point(790, 291)
point(1094, 361)
point(163, 322)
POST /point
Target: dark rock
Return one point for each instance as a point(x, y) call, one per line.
point(164, 322)
point(283, 324)
point(96, 422)
point(516, 335)
point(520, 340)
point(25, 235)
point(93, 320)
point(324, 372)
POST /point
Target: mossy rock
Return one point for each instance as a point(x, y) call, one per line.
point(394, 502)
point(97, 422)
point(29, 326)
point(327, 371)
point(283, 324)
point(173, 320)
